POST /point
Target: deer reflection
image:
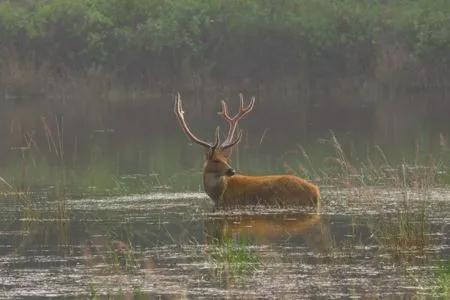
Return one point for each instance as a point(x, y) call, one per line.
point(240, 241)
point(262, 226)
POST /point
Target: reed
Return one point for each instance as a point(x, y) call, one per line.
point(405, 232)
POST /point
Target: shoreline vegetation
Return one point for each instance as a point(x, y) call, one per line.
point(227, 40)
point(121, 50)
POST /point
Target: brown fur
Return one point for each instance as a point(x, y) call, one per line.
point(235, 190)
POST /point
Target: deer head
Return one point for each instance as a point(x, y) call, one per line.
point(217, 153)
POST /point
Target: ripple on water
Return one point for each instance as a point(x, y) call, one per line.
point(176, 244)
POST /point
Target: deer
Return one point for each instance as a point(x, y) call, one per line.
point(227, 188)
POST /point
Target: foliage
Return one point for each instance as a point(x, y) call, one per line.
point(138, 35)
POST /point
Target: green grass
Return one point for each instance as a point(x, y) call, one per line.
point(442, 280)
point(232, 259)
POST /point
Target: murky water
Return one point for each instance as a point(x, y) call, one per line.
point(176, 246)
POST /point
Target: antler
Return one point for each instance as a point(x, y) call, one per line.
point(228, 143)
point(233, 121)
point(180, 114)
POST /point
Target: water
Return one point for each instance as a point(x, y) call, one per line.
point(177, 246)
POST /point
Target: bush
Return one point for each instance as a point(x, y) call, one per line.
point(219, 36)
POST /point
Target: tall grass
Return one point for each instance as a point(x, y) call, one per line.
point(406, 229)
point(357, 169)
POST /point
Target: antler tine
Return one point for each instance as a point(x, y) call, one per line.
point(231, 144)
point(180, 114)
point(216, 143)
point(233, 121)
point(249, 106)
point(224, 112)
point(241, 101)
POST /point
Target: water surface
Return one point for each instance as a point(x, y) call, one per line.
point(177, 246)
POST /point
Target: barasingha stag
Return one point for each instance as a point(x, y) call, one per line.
point(226, 188)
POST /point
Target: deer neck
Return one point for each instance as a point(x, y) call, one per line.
point(214, 185)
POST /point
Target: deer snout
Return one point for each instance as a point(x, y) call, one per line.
point(230, 172)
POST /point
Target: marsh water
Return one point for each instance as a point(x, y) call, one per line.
point(165, 245)
point(129, 226)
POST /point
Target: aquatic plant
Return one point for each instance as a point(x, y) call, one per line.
point(440, 281)
point(232, 259)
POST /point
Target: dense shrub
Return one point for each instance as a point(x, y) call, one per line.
point(220, 37)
